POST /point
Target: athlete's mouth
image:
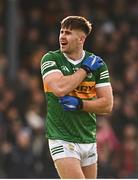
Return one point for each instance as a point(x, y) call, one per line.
point(63, 43)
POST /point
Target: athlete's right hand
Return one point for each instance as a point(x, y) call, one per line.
point(71, 103)
point(92, 63)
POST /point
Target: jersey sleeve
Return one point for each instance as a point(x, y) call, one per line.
point(48, 64)
point(102, 77)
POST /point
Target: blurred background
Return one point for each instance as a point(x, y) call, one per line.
point(28, 30)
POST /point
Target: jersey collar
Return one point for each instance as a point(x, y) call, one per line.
point(76, 61)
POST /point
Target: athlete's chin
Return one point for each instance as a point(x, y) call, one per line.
point(63, 50)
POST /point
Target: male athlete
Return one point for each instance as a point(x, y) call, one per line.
point(77, 86)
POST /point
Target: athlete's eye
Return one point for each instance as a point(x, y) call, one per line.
point(68, 32)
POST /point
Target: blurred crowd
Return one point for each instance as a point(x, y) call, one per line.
point(24, 151)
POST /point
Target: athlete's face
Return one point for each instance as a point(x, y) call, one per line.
point(71, 41)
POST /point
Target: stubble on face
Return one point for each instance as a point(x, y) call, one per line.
point(71, 42)
point(68, 40)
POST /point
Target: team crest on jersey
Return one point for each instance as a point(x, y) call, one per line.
point(75, 69)
point(64, 68)
point(89, 76)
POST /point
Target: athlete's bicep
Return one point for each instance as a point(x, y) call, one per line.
point(51, 79)
point(50, 73)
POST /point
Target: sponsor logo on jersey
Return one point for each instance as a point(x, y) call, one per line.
point(71, 147)
point(86, 87)
point(85, 90)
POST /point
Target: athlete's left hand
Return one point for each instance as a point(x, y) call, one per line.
point(92, 63)
point(70, 103)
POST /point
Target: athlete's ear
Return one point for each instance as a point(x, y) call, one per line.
point(82, 38)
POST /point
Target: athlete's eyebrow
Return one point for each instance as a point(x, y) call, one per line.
point(66, 31)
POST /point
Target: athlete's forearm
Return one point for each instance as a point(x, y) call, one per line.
point(98, 106)
point(66, 84)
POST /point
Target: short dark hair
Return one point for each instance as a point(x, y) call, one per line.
point(77, 22)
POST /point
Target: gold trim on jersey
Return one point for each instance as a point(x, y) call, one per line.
point(46, 88)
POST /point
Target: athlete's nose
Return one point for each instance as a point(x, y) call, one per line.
point(62, 36)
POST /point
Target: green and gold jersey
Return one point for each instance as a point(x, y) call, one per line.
point(75, 126)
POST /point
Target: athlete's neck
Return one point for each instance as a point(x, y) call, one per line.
point(75, 56)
